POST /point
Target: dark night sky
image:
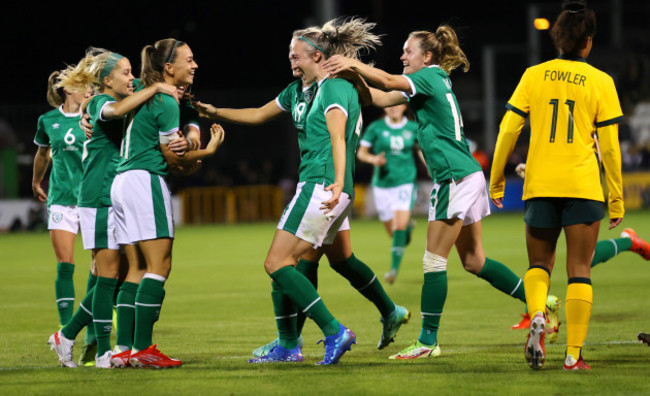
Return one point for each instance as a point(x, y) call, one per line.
point(237, 43)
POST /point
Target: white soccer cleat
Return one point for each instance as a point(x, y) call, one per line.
point(63, 348)
point(104, 361)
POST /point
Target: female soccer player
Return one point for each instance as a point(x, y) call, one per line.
point(392, 139)
point(60, 140)
point(352, 35)
point(139, 194)
point(111, 74)
point(458, 199)
point(568, 102)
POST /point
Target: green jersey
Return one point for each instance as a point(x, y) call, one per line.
point(61, 132)
point(297, 100)
point(101, 155)
point(317, 162)
point(440, 125)
point(396, 142)
point(140, 147)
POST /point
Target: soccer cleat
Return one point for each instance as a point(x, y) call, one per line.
point(639, 246)
point(63, 348)
point(120, 358)
point(104, 361)
point(524, 324)
point(265, 349)
point(390, 276)
point(534, 351)
point(552, 320)
point(570, 363)
point(88, 353)
point(644, 337)
point(337, 345)
point(417, 350)
point(153, 358)
point(396, 319)
point(280, 354)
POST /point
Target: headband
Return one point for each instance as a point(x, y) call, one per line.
point(171, 54)
point(314, 45)
point(112, 60)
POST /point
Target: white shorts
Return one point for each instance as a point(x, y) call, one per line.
point(98, 228)
point(390, 199)
point(303, 218)
point(65, 218)
point(465, 199)
point(143, 207)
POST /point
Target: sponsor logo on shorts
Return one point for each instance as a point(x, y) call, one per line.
point(57, 217)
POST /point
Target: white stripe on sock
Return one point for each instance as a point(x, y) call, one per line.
point(369, 283)
point(516, 287)
point(148, 305)
point(125, 306)
point(310, 305)
point(287, 316)
point(103, 320)
point(86, 309)
point(615, 247)
point(65, 299)
point(430, 314)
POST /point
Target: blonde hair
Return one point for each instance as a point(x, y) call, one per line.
point(154, 57)
point(341, 37)
point(86, 73)
point(444, 46)
point(55, 96)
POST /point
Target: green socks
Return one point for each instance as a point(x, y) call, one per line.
point(126, 314)
point(607, 249)
point(148, 302)
point(298, 288)
point(103, 313)
point(90, 330)
point(397, 251)
point(64, 291)
point(502, 278)
point(310, 270)
point(82, 318)
point(434, 294)
point(365, 281)
point(285, 317)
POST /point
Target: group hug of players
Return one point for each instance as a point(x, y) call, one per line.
point(113, 138)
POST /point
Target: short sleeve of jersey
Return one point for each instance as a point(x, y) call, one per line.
point(421, 82)
point(188, 114)
point(368, 138)
point(95, 107)
point(283, 100)
point(335, 94)
point(609, 108)
point(167, 114)
point(519, 102)
point(41, 138)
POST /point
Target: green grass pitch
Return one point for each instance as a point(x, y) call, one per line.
point(218, 309)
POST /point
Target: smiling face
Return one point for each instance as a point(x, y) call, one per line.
point(305, 63)
point(181, 71)
point(412, 57)
point(120, 80)
point(293, 60)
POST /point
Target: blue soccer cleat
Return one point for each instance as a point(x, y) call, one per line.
point(337, 345)
point(279, 354)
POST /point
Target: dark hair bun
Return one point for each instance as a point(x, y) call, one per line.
point(574, 5)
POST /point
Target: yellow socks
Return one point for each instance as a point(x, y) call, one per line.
point(536, 283)
point(579, 298)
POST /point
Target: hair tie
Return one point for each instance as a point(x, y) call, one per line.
point(171, 54)
point(303, 38)
point(112, 60)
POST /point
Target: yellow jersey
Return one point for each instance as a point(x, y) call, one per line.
point(568, 101)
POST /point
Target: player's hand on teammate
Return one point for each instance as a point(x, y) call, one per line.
point(206, 110)
point(85, 126)
point(217, 135)
point(330, 204)
point(170, 90)
point(379, 159)
point(338, 63)
point(179, 145)
point(39, 193)
point(187, 169)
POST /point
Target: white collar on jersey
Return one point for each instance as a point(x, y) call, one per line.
point(323, 80)
point(430, 66)
point(69, 115)
point(395, 126)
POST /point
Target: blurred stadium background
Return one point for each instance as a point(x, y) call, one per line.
point(241, 48)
